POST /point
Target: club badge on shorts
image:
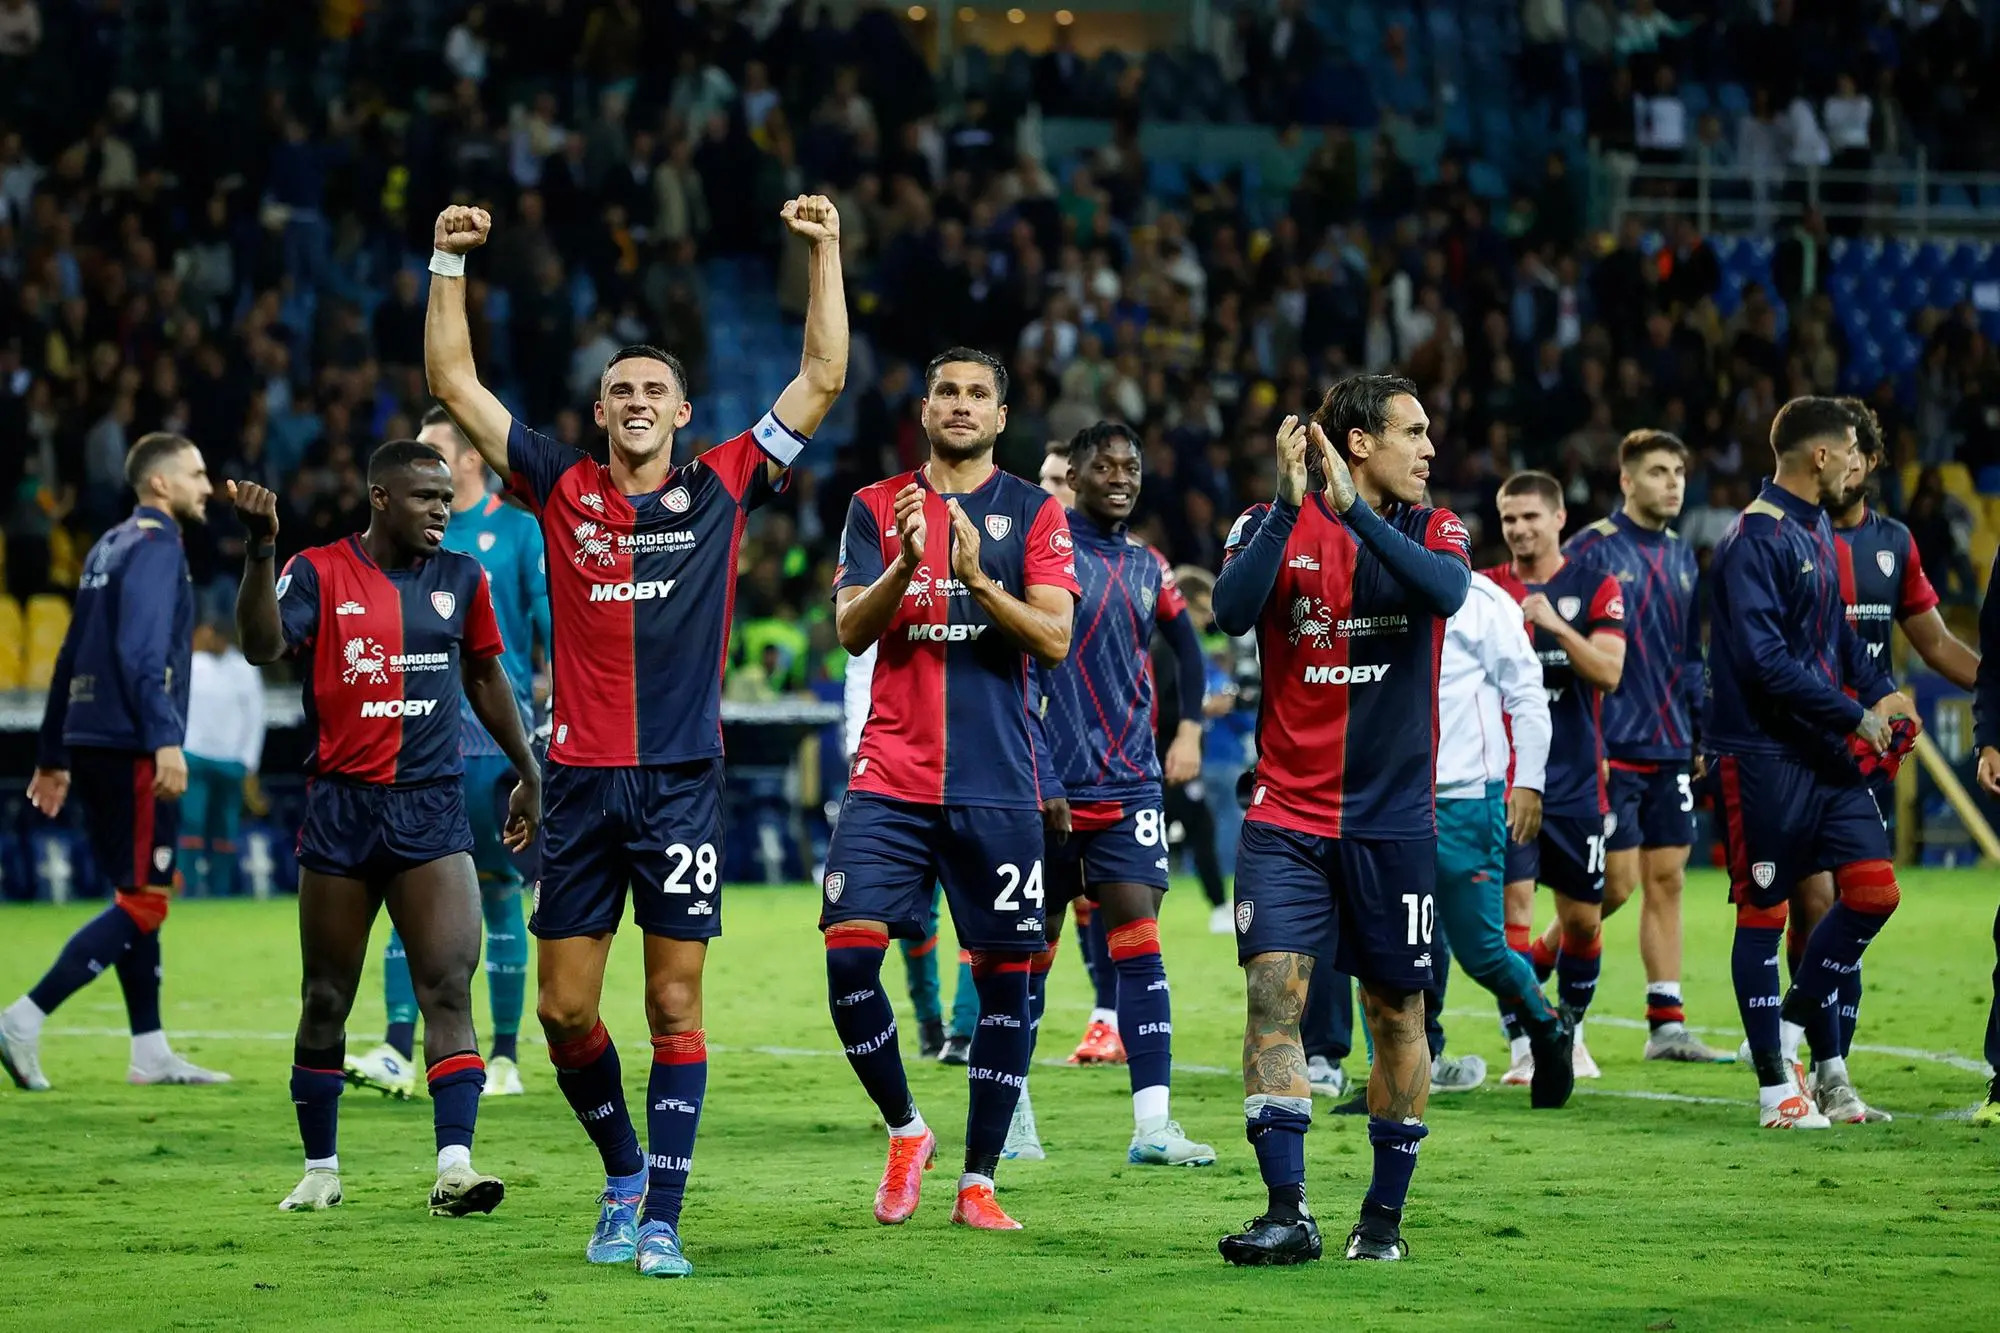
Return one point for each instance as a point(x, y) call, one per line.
point(1763, 873)
point(835, 882)
point(1244, 911)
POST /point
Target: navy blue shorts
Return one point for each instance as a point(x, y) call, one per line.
point(1369, 902)
point(372, 832)
point(1782, 821)
point(1568, 856)
point(1654, 806)
point(1132, 851)
point(886, 854)
point(656, 828)
point(133, 833)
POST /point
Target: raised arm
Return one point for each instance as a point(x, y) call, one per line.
point(1256, 546)
point(1436, 571)
point(823, 364)
point(1597, 653)
point(454, 380)
point(258, 629)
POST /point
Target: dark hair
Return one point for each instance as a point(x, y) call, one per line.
point(648, 352)
point(400, 453)
point(1359, 402)
point(1194, 579)
point(975, 357)
point(150, 454)
point(1867, 429)
point(1637, 444)
point(1804, 420)
point(1056, 449)
point(1094, 437)
point(437, 416)
point(1534, 483)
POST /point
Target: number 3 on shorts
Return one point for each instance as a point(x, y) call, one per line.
point(1010, 882)
point(1687, 793)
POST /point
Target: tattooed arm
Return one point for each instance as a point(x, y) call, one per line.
point(1274, 1063)
point(1399, 1085)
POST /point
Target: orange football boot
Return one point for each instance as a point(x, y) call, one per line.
point(977, 1208)
point(1101, 1045)
point(903, 1178)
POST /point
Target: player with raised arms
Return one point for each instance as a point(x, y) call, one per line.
point(1347, 579)
point(1111, 841)
point(1649, 725)
point(385, 625)
point(1883, 583)
point(1790, 682)
point(1576, 619)
point(509, 544)
point(965, 577)
point(642, 574)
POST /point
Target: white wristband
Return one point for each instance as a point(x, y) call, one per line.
point(447, 265)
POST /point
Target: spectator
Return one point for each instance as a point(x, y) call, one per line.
point(465, 46)
point(1800, 266)
point(1660, 121)
point(1846, 116)
point(20, 31)
point(225, 748)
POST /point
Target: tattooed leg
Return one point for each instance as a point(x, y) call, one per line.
point(1399, 1081)
point(1274, 1063)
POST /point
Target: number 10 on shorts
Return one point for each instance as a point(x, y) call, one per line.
point(1422, 913)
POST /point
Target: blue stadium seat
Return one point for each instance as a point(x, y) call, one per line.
point(1166, 180)
point(1485, 180)
point(1694, 97)
point(1733, 99)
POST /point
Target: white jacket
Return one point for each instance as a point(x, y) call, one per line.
point(1489, 667)
point(856, 696)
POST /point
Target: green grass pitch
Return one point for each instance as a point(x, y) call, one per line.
point(1654, 1202)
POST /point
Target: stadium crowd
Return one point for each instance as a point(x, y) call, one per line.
point(236, 262)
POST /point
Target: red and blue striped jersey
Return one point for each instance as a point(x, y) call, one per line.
point(642, 589)
point(1787, 674)
point(948, 709)
point(1101, 699)
point(1882, 580)
point(381, 651)
point(1347, 728)
point(1650, 718)
point(1593, 603)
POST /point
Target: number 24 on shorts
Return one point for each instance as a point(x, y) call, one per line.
point(1011, 882)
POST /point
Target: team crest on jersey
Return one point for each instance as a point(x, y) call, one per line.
point(676, 500)
point(444, 604)
point(592, 543)
point(365, 661)
point(835, 882)
point(487, 539)
point(1311, 622)
point(1567, 607)
point(1886, 562)
point(1763, 873)
point(998, 526)
point(1244, 911)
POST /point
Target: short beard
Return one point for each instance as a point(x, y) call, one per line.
point(952, 450)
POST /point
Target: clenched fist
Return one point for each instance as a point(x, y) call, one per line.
point(812, 216)
point(461, 230)
point(256, 507)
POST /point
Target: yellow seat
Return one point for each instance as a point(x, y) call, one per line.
point(47, 613)
point(41, 664)
point(13, 643)
point(1957, 478)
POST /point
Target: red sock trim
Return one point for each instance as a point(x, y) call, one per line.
point(1043, 961)
point(856, 937)
point(988, 964)
point(1540, 953)
point(308, 1069)
point(681, 1048)
point(1752, 917)
point(146, 909)
point(918, 951)
point(454, 1064)
point(1868, 886)
point(1133, 939)
point(1079, 909)
point(581, 1052)
point(1578, 947)
point(1517, 938)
